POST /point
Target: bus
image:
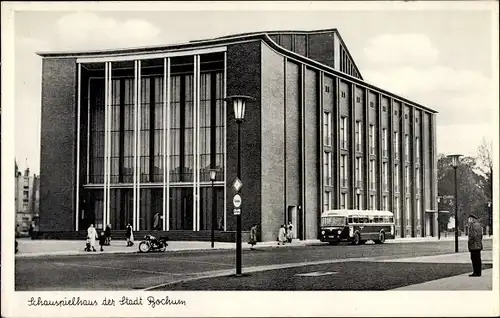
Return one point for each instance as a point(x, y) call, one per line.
point(356, 226)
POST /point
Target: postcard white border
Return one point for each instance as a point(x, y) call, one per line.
point(388, 303)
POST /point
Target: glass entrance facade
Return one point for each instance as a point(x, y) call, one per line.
point(150, 130)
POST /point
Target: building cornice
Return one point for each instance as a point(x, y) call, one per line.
point(231, 40)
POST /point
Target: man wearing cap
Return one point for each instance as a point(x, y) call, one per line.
point(475, 245)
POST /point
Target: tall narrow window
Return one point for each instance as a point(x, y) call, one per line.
point(407, 179)
point(384, 176)
point(407, 206)
point(327, 201)
point(372, 202)
point(396, 177)
point(417, 178)
point(417, 148)
point(343, 199)
point(358, 201)
point(384, 142)
point(372, 139)
point(327, 128)
point(358, 173)
point(384, 203)
point(398, 211)
point(343, 172)
point(372, 174)
point(358, 135)
point(327, 170)
point(396, 143)
point(417, 203)
point(407, 147)
point(343, 132)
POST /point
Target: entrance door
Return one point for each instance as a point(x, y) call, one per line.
point(292, 216)
point(428, 223)
point(96, 209)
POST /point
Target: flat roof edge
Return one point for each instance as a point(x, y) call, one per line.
point(335, 72)
point(227, 41)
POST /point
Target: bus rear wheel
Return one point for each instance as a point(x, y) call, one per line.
point(357, 239)
point(381, 238)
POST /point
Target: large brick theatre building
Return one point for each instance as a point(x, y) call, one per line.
point(128, 136)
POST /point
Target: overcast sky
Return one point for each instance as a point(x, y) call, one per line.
point(441, 59)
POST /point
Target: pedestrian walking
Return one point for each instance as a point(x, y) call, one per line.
point(253, 236)
point(289, 233)
point(221, 224)
point(91, 236)
point(475, 245)
point(282, 235)
point(107, 234)
point(102, 240)
point(31, 230)
point(130, 235)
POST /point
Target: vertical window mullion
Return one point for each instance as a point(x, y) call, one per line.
point(182, 127)
point(122, 131)
point(213, 119)
point(152, 106)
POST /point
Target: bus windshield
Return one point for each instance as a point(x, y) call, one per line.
point(333, 221)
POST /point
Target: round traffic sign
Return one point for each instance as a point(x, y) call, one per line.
point(237, 200)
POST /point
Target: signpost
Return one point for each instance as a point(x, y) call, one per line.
point(237, 184)
point(237, 200)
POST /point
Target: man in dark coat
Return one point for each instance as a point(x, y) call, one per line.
point(107, 234)
point(475, 245)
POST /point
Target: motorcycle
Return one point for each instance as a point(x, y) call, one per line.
point(152, 244)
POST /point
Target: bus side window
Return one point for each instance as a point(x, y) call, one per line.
point(349, 220)
point(355, 220)
point(386, 219)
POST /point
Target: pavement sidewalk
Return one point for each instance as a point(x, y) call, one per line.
point(31, 248)
point(459, 282)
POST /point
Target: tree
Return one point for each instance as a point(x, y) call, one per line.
point(485, 166)
point(471, 196)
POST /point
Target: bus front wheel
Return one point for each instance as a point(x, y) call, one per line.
point(381, 238)
point(357, 239)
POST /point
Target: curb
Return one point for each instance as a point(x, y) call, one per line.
point(244, 247)
point(78, 253)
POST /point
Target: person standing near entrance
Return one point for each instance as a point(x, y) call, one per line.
point(130, 235)
point(290, 232)
point(475, 245)
point(282, 235)
point(156, 221)
point(92, 236)
point(107, 234)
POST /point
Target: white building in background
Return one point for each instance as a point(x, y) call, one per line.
point(27, 198)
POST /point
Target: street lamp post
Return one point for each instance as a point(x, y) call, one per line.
point(455, 160)
point(213, 174)
point(239, 103)
point(439, 223)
